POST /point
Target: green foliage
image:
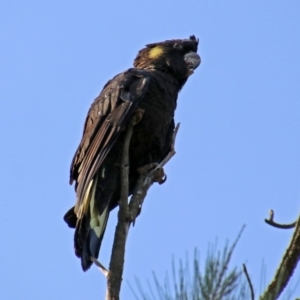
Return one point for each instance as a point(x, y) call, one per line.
point(215, 282)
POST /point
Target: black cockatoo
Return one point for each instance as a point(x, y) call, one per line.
point(152, 85)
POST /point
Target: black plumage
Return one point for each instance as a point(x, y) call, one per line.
point(160, 71)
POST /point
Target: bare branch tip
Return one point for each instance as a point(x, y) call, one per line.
point(100, 266)
point(249, 282)
point(271, 222)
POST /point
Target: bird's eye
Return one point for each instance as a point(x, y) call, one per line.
point(177, 46)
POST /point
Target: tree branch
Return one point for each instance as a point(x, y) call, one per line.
point(271, 222)
point(114, 278)
point(128, 212)
point(100, 266)
point(249, 282)
point(286, 269)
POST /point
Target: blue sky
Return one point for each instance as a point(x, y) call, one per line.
point(237, 149)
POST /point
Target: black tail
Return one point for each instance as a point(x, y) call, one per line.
point(88, 238)
point(90, 222)
point(70, 218)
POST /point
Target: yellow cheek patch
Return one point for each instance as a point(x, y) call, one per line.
point(156, 52)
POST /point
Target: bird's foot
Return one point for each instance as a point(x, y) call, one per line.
point(159, 174)
point(147, 168)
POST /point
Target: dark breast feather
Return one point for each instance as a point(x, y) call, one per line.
point(106, 118)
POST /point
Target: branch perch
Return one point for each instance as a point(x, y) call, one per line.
point(128, 212)
point(249, 282)
point(100, 266)
point(286, 269)
point(271, 222)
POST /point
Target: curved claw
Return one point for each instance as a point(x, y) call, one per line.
point(163, 180)
point(160, 176)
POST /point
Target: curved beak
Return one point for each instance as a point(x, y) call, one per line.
point(193, 61)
